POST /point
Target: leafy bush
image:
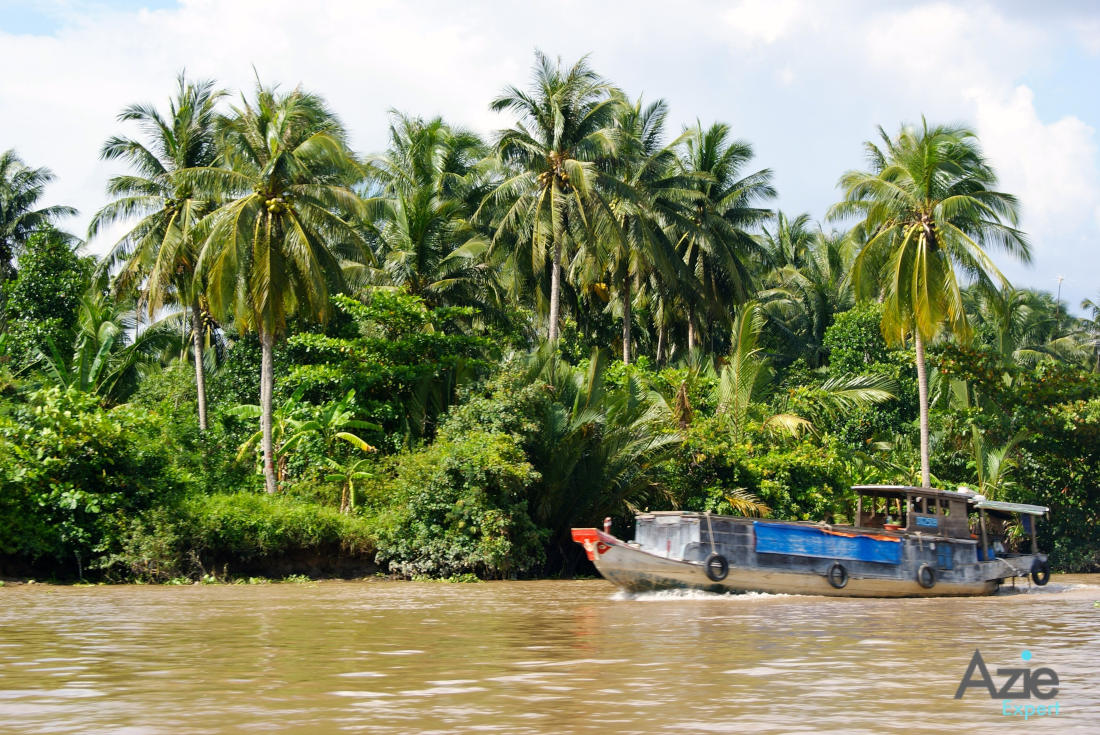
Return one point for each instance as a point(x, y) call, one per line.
point(796, 479)
point(1053, 407)
point(211, 457)
point(40, 303)
point(854, 339)
point(73, 474)
point(595, 444)
point(252, 525)
point(404, 360)
point(231, 532)
point(458, 507)
point(1070, 487)
point(856, 346)
point(1060, 468)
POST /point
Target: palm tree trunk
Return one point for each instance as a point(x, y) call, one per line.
point(922, 390)
point(691, 329)
point(660, 343)
point(626, 320)
point(555, 291)
point(267, 385)
point(200, 378)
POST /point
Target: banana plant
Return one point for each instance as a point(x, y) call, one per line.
point(349, 476)
point(296, 421)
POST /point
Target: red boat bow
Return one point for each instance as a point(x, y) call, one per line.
point(594, 541)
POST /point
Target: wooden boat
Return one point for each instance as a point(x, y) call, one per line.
point(907, 542)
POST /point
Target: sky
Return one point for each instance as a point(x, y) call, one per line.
point(806, 82)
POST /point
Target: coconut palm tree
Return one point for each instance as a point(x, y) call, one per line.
point(717, 246)
point(20, 189)
point(278, 245)
point(789, 241)
point(926, 208)
point(548, 197)
point(646, 193)
point(803, 296)
point(1091, 326)
point(423, 192)
point(1025, 326)
point(158, 255)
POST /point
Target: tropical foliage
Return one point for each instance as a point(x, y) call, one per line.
point(481, 342)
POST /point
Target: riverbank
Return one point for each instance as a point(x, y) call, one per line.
point(309, 564)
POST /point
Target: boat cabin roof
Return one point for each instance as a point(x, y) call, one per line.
point(1035, 510)
point(978, 501)
point(900, 491)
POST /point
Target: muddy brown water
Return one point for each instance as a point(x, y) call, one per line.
point(532, 657)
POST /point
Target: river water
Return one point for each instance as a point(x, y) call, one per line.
point(531, 657)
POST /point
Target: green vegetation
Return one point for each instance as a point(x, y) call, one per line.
point(299, 360)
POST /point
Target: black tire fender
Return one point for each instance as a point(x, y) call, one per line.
point(926, 576)
point(837, 575)
point(1040, 572)
point(716, 567)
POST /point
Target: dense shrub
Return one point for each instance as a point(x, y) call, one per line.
point(856, 347)
point(594, 434)
point(227, 533)
point(1052, 408)
point(796, 479)
point(210, 457)
point(1059, 467)
point(459, 506)
point(72, 474)
point(250, 525)
point(39, 305)
point(854, 339)
point(404, 360)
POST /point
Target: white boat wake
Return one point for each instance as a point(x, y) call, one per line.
point(687, 594)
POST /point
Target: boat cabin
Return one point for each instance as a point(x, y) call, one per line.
point(995, 517)
point(946, 514)
point(913, 509)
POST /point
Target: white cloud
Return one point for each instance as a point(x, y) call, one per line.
point(941, 53)
point(1051, 167)
point(364, 58)
point(766, 21)
point(957, 62)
